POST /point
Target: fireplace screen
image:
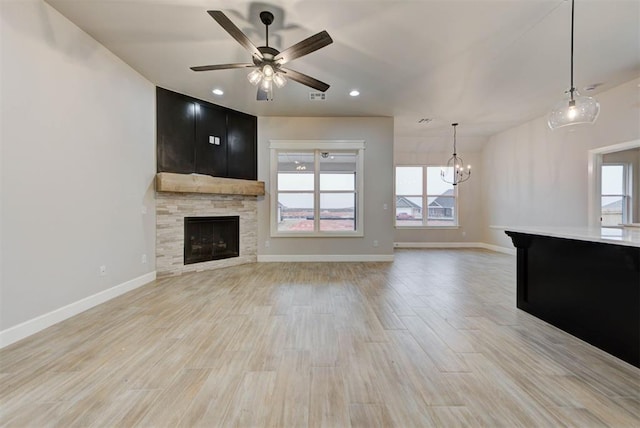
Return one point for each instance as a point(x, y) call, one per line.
point(210, 238)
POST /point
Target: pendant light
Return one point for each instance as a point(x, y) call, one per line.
point(574, 108)
point(456, 166)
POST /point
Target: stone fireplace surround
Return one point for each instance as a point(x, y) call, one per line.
point(173, 206)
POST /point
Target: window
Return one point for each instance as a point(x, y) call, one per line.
point(615, 206)
point(418, 187)
point(316, 188)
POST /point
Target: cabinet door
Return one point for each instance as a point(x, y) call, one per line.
point(241, 146)
point(175, 126)
point(211, 158)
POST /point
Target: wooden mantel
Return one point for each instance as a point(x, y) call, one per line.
point(197, 183)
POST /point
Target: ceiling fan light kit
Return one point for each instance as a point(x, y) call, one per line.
point(268, 61)
point(574, 109)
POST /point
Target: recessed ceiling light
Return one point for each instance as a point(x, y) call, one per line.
point(218, 91)
point(354, 93)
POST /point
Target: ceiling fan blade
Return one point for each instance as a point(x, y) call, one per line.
point(305, 80)
point(304, 47)
point(221, 66)
point(235, 32)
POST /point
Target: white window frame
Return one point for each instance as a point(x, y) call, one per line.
point(594, 198)
point(317, 146)
point(626, 195)
point(425, 199)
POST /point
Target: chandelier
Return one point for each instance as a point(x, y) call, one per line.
point(456, 172)
point(574, 108)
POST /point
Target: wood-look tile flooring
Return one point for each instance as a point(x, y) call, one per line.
point(433, 339)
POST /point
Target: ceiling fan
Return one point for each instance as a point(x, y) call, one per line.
point(268, 61)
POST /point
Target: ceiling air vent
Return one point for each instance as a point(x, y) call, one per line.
point(425, 120)
point(317, 96)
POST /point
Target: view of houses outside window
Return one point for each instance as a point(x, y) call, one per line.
point(615, 195)
point(422, 186)
point(328, 194)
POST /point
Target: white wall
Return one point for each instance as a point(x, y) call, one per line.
point(469, 202)
point(377, 132)
point(78, 162)
point(533, 176)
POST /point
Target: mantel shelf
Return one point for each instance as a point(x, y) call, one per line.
point(196, 183)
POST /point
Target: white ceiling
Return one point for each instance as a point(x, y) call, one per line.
point(488, 64)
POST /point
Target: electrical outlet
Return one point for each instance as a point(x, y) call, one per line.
point(267, 244)
point(144, 209)
point(102, 270)
point(375, 243)
point(385, 206)
point(144, 258)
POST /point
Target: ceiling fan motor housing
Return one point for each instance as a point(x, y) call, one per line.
point(268, 53)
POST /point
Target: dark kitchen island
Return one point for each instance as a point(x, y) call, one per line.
point(583, 281)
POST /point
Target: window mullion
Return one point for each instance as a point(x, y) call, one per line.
point(626, 207)
point(316, 190)
point(425, 199)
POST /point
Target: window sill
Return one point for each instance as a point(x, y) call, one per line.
point(317, 235)
point(429, 227)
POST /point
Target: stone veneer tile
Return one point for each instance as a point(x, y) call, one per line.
point(172, 208)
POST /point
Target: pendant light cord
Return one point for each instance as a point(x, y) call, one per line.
point(572, 89)
point(454, 139)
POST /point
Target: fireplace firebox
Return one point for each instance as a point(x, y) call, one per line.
point(211, 238)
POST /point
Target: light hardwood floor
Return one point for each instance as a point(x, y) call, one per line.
point(433, 339)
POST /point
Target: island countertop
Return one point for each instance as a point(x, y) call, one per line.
point(629, 236)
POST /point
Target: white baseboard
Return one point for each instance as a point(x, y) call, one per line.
point(265, 258)
point(32, 326)
point(498, 249)
point(437, 245)
point(482, 245)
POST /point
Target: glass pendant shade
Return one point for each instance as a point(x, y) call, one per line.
point(279, 80)
point(574, 111)
point(255, 76)
point(266, 85)
point(267, 70)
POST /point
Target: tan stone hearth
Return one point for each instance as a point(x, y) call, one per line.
point(195, 195)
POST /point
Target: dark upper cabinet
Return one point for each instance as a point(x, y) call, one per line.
point(211, 156)
point(175, 123)
point(241, 146)
point(186, 143)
